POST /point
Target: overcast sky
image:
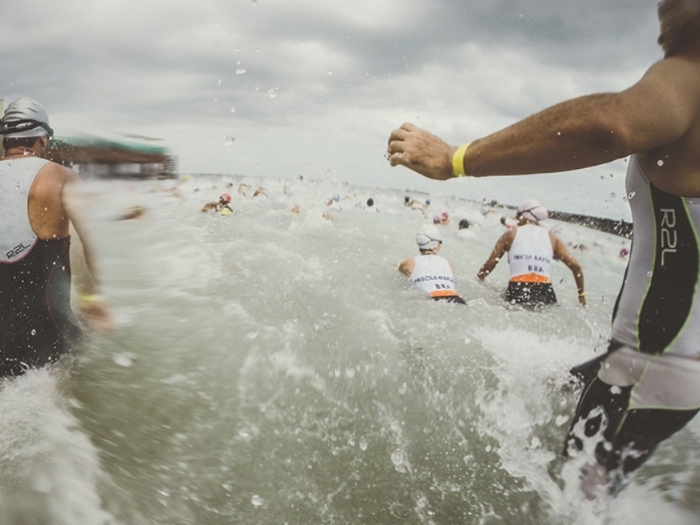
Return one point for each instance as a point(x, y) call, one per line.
point(314, 87)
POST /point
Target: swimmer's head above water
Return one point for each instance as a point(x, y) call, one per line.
point(428, 238)
point(25, 118)
point(532, 210)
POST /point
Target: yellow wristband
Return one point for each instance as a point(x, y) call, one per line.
point(90, 298)
point(458, 161)
point(581, 294)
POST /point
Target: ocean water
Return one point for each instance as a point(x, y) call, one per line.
point(270, 367)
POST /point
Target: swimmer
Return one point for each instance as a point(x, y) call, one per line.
point(241, 189)
point(414, 205)
point(135, 212)
point(40, 223)
point(429, 271)
point(531, 249)
point(464, 232)
point(221, 206)
point(370, 206)
point(334, 202)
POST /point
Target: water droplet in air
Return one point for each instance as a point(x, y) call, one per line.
point(611, 175)
point(233, 109)
point(228, 141)
point(660, 162)
point(397, 457)
point(649, 274)
point(33, 332)
point(631, 195)
point(329, 72)
point(273, 92)
point(612, 195)
point(363, 444)
point(602, 177)
point(219, 82)
point(240, 70)
point(257, 501)
point(255, 2)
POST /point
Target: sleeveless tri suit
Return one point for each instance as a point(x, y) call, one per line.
point(433, 274)
point(648, 386)
point(36, 320)
point(530, 258)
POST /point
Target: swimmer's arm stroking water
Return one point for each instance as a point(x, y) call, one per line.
point(578, 133)
point(503, 244)
point(562, 253)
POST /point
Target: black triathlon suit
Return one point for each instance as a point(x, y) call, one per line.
point(37, 325)
point(649, 385)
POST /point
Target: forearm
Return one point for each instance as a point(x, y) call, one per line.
point(82, 267)
point(487, 267)
point(578, 277)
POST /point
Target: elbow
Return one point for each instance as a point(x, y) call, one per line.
point(614, 137)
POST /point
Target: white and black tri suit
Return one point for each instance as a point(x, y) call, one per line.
point(649, 385)
point(433, 274)
point(36, 320)
point(530, 258)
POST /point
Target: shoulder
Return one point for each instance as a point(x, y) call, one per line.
point(58, 172)
point(554, 238)
point(52, 178)
point(407, 265)
point(676, 78)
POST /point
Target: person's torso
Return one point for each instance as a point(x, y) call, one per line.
point(35, 313)
point(657, 308)
point(530, 256)
point(433, 274)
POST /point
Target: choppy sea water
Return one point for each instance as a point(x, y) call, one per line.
point(275, 368)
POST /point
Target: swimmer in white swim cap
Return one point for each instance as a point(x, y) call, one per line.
point(531, 250)
point(429, 271)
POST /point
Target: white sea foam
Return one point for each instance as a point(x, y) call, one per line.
point(279, 357)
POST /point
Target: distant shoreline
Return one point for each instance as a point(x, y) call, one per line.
point(616, 227)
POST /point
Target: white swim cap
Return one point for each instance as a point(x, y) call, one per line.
point(532, 210)
point(428, 237)
point(25, 117)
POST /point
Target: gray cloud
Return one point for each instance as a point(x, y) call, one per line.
point(357, 68)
